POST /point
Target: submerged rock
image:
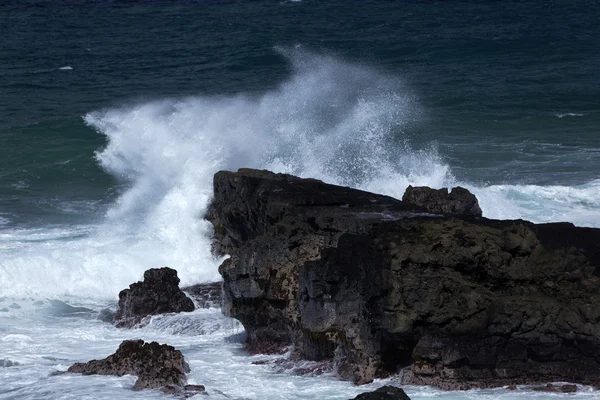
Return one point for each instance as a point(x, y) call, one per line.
point(107, 315)
point(159, 293)
point(384, 393)
point(459, 201)
point(155, 365)
point(378, 285)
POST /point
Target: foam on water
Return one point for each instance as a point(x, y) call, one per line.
point(569, 114)
point(37, 341)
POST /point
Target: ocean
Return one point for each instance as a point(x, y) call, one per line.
point(114, 116)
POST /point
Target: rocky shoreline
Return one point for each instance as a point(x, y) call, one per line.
point(380, 286)
point(425, 290)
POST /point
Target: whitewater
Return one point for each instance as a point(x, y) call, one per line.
point(343, 123)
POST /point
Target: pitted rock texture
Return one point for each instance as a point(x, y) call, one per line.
point(459, 201)
point(159, 293)
point(376, 285)
point(155, 365)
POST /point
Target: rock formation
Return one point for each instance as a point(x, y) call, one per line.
point(459, 201)
point(384, 393)
point(156, 366)
point(380, 286)
point(159, 293)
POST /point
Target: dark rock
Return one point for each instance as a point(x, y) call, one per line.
point(264, 347)
point(107, 315)
point(206, 295)
point(459, 201)
point(377, 285)
point(155, 365)
point(556, 388)
point(159, 293)
point(384, 393)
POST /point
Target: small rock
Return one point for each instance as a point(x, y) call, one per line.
point(155, 365)
point(384, 393)
point(459, 201)
point(159, 293)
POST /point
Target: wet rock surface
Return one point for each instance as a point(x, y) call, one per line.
point(556, 388)
point(158, 293)
point(206, 295)
point(459, 201)
point(377, 285)
point(384, 393)
point(157, 366)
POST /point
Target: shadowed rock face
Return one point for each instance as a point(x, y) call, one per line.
point(159, 293)
point(459, 201)
point(379, 285)
point(155, 365)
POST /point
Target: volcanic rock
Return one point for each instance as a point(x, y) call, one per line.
point(459, 201)
point(155, 365)
point(384, 393)
point(159, 293)
point(378, 285)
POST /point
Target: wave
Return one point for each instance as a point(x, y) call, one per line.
point(342, 123)
point(569, 114)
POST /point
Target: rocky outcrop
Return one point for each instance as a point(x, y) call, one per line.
point(459, 201)
point(157, 366)
point(379, 285)
point(159, 293)
point(384, 393)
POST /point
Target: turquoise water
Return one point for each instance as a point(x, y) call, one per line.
point(114, 116)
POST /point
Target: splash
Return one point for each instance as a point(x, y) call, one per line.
point(343, 123)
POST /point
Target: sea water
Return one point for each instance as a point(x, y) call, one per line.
point(116, 115)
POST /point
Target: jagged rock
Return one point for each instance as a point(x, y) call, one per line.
point(384, 393)
point(459, 201)
point(377, 285)
point(159, 293)
point(206, 295)
point(155, 365)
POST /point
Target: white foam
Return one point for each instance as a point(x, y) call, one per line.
point(66, 68)
point(577, 204)
point(569, 114)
